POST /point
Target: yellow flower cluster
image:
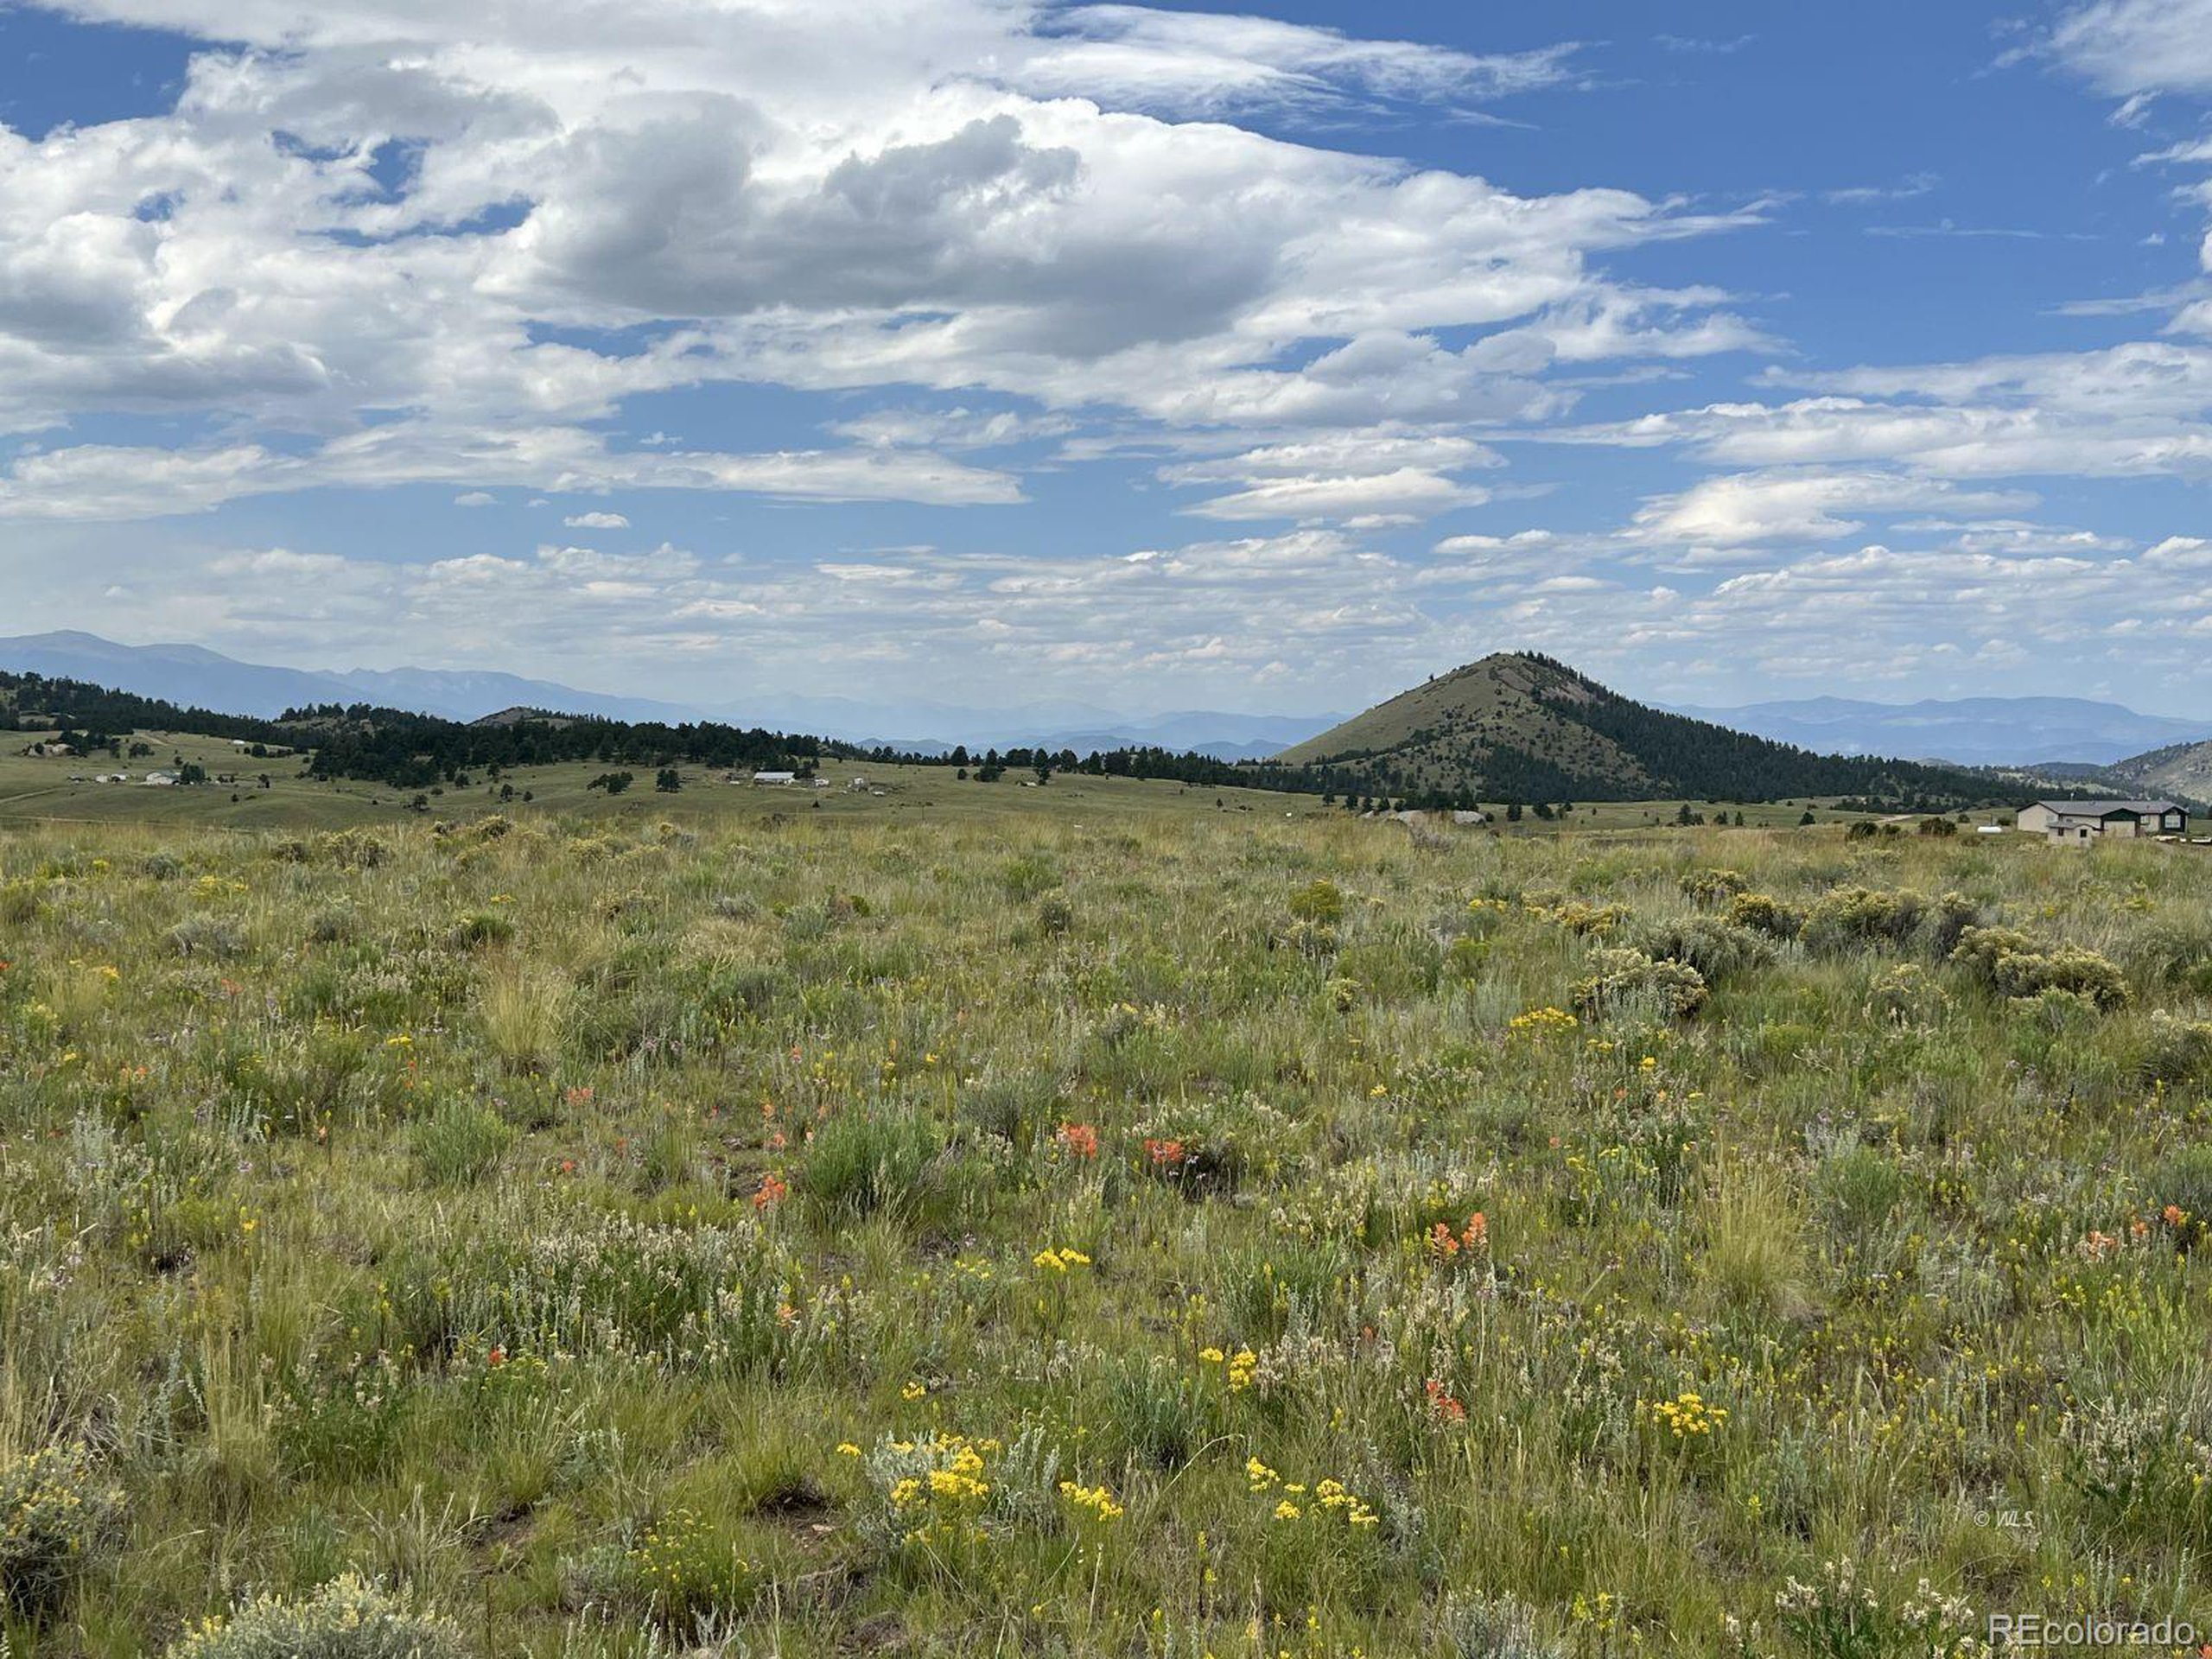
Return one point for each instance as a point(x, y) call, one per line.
point(1536, 1021)
point(54, 1512)
point(1059, 1260)
point(1326, 1500)
point(1241, 1365)
point(1686, 1417)
point(942, 1495)
point(1097, 1500)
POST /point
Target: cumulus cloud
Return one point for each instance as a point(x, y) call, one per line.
point(986, 238)
point(602, 202)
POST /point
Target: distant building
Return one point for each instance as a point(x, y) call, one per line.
point(162, 779)
point(779, 778)
point(2079, 823)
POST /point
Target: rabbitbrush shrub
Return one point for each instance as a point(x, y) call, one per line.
point(2010, 963)
point(1630, 982)
point(59, 1517)
point(347, 1618)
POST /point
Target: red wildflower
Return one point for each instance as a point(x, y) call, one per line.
point(1079, 1140)
point(1446, 1407)
point(772, 1191)
point(1163, 1153)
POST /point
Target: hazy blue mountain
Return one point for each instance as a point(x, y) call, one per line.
point(1969, 731)
point(195, 676)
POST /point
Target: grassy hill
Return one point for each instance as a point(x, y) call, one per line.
point(2181, 769)
point(1519, 726)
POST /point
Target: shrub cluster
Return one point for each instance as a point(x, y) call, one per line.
point(59, 1517)
point(347, 1618)
point(2016, 966)
point(1630, 982)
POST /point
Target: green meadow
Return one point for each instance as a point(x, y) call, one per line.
point(1097, 1220)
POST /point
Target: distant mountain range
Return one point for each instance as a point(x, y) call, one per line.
point(1967, 731)
point(1971, 731)
point(1517, 727)
point(195, 676)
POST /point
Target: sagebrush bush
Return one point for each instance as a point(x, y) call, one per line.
point(61, 1516)
point(1625, 983)
point(1764, 914)
point(1708, 885)
point(1477, 1627)
point(1717, 950)
point(1855, 917)
point(348, 1618)
point(2010, 963)
point(2177, 1050)
point(1907, 995)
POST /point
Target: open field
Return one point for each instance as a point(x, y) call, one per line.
point(39, 790)
point(1094, 1222)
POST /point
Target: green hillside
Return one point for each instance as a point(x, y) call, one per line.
point(2181, 769)
point(1519, 726)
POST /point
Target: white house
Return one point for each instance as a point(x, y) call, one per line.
point(779, 778)
point(2079, 823)
point(161, 779)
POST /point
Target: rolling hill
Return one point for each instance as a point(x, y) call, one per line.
point(1520, 727)
point(2181, 769)
point(1963, 731)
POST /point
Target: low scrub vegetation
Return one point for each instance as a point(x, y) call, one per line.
point(1186, 1236)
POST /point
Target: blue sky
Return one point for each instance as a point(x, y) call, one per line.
point(987, 351)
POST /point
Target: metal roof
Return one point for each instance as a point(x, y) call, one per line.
point(2108, 808)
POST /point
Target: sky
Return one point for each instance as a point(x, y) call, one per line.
point(1000, 353)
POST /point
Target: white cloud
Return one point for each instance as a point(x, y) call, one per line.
point(1200, 63)
point(107, 482)
point(1738, 510)
point(596, 521)
point(2136, 50)
point(853, 195)
point(2140, 408)
point(2131, 46)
